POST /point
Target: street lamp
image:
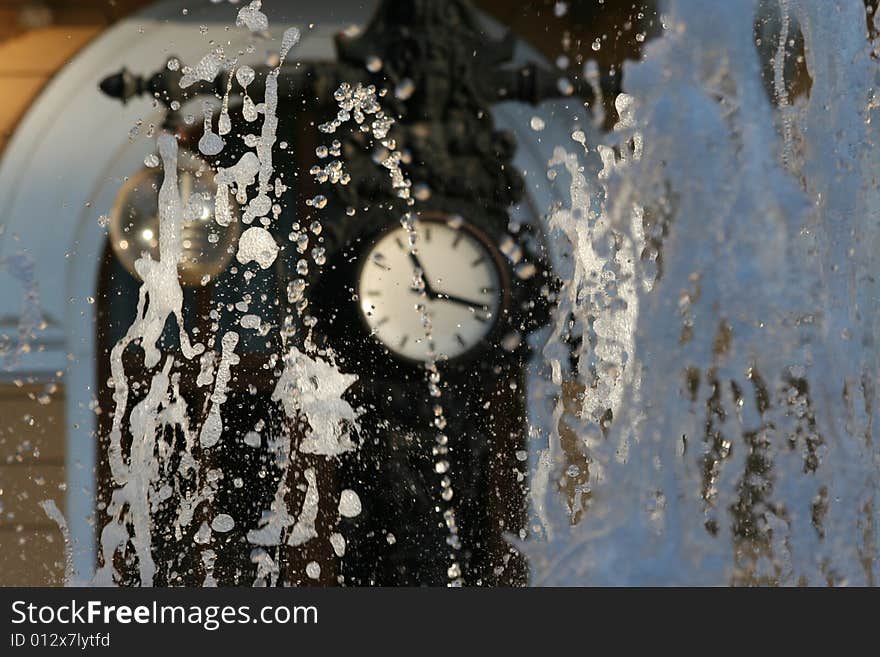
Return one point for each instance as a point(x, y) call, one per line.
point(134, 222)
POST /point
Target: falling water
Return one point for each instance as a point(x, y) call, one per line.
point(357, 104)
point(726, 291)
point(310, 387)
point(143, 473)
point(54, 514)
point(20, 267)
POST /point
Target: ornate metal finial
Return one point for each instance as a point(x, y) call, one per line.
point(444, 73)
point(164, 85)
point(123, 85)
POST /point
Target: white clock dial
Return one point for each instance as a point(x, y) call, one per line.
point(463, 290)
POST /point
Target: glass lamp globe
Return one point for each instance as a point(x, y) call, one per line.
point(207, 247)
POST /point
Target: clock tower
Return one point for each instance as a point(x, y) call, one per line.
point(481, 281)
point(478, 277)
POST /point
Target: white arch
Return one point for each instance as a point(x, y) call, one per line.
point(66, 161)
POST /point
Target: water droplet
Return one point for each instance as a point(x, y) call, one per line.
point(421, 192)
point(252, 18)
point(210, 143)
point(349, 503)
point(249, 110)
point(404, 89)
point(245, 75)
point(337, 541)
point(289, 40)
point(224, 124)
point(203, 535)
point(222, 523)
point(374, 64)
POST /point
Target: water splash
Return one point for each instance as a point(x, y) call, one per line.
point(54, 514)
point(213, 425)
point(252, 18)
point(314, 389)
point(310, 387)
point(30, 318)
point(360, 105)
point(743, 449)
point(206, 70)
point(210, 142)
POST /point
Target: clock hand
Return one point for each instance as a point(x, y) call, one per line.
point(434, 295)
point(429, 291)
point(461, 301)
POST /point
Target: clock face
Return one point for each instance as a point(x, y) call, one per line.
point(463, 290)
